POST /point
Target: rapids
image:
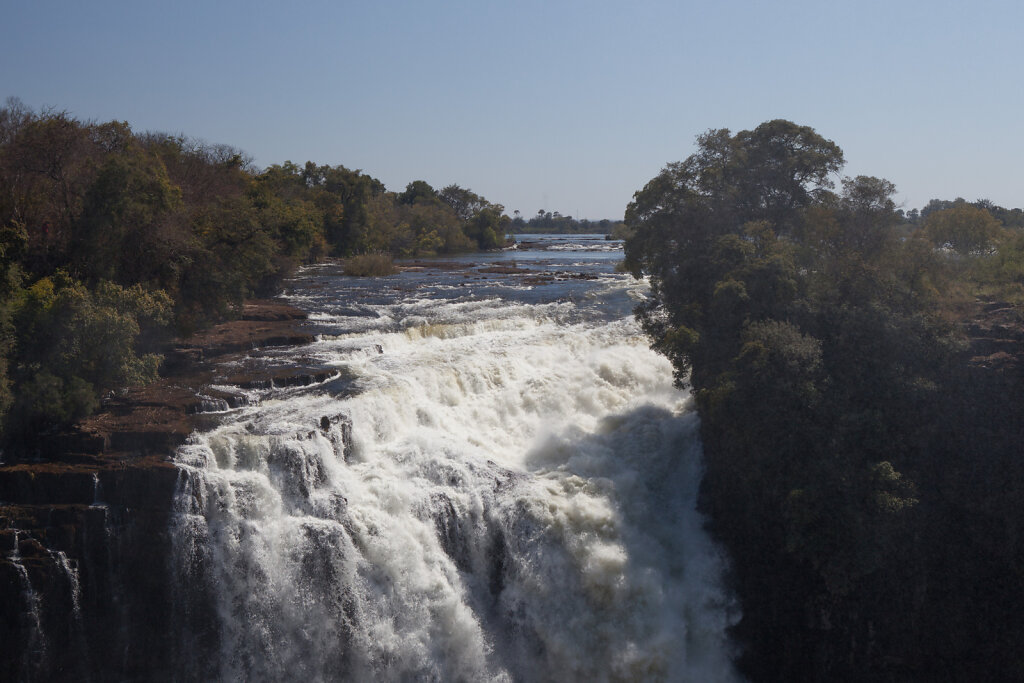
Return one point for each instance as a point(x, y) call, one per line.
point(500, 486)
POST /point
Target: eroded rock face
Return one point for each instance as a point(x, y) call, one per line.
point(85, 545)
point(995, 335)
point(82, 569)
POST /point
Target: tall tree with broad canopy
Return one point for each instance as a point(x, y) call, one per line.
point(700, 221)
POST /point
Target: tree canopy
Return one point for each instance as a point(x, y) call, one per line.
point(809, 325)
point(963, 228)
point(152, 233)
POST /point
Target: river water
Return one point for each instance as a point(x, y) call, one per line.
point(500, 485)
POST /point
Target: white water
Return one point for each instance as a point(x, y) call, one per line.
point(36, 646)
point(517, 503)
point(71, 577)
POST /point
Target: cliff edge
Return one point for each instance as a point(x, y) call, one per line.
point(84, 522)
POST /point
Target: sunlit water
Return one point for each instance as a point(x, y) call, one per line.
point(515, 501)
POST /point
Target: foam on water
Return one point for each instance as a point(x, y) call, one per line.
point(515, 500)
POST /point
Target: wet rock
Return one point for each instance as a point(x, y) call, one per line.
point(8, 541)
point(83, 579)
point(246, 335)
point(281, 378)
point(344, 431)
point(353, 312)
point(450, 532)
point(433, 265)
point(504, 270)
point(210, 404)
point(178, 359)
point(266, 310)
point(263, 324)
point(995, 337)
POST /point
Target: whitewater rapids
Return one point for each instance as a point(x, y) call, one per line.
point(496, 488)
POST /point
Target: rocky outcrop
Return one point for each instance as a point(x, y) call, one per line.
point(84, 538)
point(995, 333)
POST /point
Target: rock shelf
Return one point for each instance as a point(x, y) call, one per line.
point(84, 522)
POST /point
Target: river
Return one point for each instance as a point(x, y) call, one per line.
point(499, 485)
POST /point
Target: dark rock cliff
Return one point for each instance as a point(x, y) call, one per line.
point(85, 545)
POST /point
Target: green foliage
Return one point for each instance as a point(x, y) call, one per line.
point(487, 227)
point(555, 222)
point(418, 191)
point(344, 196)
point(463, 201)
point(963, 228)
point(619, 230)
point(355, 214)
point(1006, 265)
point(295, 224)
point(13, 240)
point(72, 345)
point(234, 253)
point(806, 325)
point(115, 231)
point(127, 237)
point(433, 229)
point(125, 211)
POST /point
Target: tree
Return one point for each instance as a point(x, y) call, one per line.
point(963, 228)
point(418, 191)
point(702, 226)
point(353, 190)
point(127, 221)
point(463, 201)
point(47, 163)
point(74, 344)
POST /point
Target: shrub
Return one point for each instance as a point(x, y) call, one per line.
point(370, 265)
point(71, 345)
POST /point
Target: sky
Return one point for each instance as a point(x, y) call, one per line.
point(565, 106)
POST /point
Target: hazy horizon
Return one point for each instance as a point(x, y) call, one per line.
point(566, 106)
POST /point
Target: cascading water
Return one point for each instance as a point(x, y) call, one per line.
point(501, 485)
point(34, 647)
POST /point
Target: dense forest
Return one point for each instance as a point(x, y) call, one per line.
point(863, 472)
point(112, 241)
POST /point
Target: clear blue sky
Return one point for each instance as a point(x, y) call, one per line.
point(565, 106)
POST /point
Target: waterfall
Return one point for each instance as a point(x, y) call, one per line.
point(70, 573)
point(504, 491)
point(35, 646)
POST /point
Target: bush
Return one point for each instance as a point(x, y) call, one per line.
point(71, 345)
point(370, 265)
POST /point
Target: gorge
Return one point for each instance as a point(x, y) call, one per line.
point(474, 472)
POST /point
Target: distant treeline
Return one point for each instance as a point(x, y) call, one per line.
point(1008, 218)
point(111, 241)
point(864, 475)
point(546, 221)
